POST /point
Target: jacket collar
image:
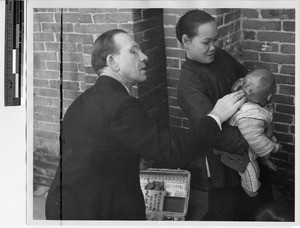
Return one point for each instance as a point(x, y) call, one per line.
point(104, 79)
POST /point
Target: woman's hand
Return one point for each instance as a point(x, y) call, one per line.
point(228, 105)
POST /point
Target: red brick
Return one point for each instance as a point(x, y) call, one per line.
point(69, 94)
point(288, 69)
point(254, 65)
point(292, 129)
point(53, 66)
point(284, 138)
point(173, 73)
point(70, 47)
point(262, 25)
point(37, 27)
point(93, 28)
point(71, 66)
point(74, 76)
point(43, 117)
point(136, 14)
point(144, 25)
point(39, 65)
point(42, 37)
point(44, 126)
point(288, 109)
point(277, 58)
point(288, 48)
point(98, 10)
point(41, 83)
point(87, 49)
point(85, 18)
point(250, 13)
point(73, 57)
point(282, 128)
point(288, 26)
point(44, 56)
point(38, 46)
point(43, 17)
point(249, 35)
point(258, 46)
point(46, 92)
point(45, 74)
point(172, 43)
point(67, 17)
point(250, 55)
point(46, 101)
point(281, 14)
point(287, 89)
point(113, 18)
point(172, 63)
point(276, 36)
point(150, 13)
point(47, 110)
point(232, 16)
point(46, 134)
point(283, 99)
point(153, 33)
point(177, 11)
point(170, 20)
point(284, 79)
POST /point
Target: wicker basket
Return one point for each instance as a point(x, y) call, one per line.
point(170, 203)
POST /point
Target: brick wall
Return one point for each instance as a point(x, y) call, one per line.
point(80, 28)
point(256, 38)
point(269, 41)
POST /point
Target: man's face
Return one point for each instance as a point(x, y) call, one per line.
point(131, 60)
point(202, 47)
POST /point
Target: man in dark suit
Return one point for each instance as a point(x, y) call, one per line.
point(106, 132)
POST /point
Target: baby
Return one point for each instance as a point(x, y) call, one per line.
point(254, 120)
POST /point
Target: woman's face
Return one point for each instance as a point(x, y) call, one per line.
point(202, 47)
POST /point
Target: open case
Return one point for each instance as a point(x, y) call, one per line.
point(166, 193)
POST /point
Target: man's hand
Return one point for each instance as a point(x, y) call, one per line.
point(228, 105)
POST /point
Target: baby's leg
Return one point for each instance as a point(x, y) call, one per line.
point(267, 162)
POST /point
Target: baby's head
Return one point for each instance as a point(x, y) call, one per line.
point(259, 86)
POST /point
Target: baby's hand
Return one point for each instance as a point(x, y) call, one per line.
point(277, 147)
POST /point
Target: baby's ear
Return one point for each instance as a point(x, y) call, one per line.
point(269, 97)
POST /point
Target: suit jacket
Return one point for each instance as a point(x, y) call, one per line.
point(105, 133)
point(199, 88)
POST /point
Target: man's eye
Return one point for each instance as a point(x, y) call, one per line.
point(135, 50)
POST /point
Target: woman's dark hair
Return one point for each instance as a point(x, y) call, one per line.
point(104, 46)
point(189, 23)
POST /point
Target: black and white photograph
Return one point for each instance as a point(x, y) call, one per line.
point(151, 113)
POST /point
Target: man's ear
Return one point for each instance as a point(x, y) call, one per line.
point(112, 62)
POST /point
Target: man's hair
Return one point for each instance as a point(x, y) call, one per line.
point(189, 23)
point(104, 46)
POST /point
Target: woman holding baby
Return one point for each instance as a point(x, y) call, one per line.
point(208, 74)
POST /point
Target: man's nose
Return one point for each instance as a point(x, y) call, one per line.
point(143, 57)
